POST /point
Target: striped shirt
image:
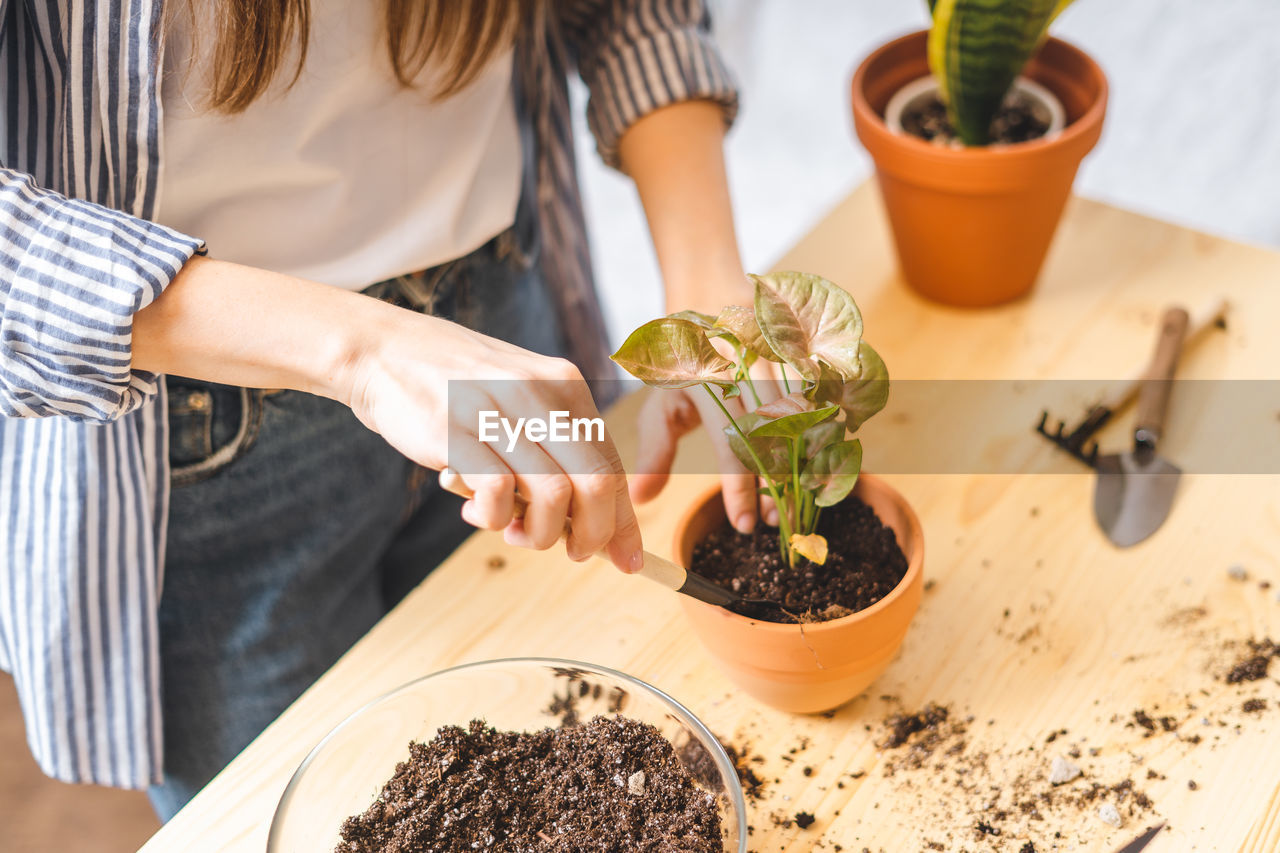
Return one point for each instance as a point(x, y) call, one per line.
point(83, 437)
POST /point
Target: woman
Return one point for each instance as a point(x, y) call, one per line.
point(385, 211)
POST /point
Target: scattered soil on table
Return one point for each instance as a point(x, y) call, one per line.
point(864, 564)
point(753, 785)
point(959, 785)
point(609, 785)
point(1144, 720)
point(996, 794)
point(1020, 119)
point(1252, 666)
point(902, 726)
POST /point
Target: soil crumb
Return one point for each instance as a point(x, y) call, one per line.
point(607, 785)
point(902, 726)
point(1252, 666)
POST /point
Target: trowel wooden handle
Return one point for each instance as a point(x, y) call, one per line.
point(1153, 399)
point(657, 569)
point(1206, 318)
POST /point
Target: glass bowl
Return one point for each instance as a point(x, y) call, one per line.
point(343, 775)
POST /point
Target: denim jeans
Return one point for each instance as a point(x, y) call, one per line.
point(293, 528)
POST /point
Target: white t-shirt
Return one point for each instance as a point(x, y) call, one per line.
point(345, 178)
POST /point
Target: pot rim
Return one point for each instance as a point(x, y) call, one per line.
point(915, 563)
point(1074, 133)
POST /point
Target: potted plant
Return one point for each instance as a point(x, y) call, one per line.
point(976, 160)
point(846, 557)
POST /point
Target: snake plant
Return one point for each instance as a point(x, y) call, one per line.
point(976, 50)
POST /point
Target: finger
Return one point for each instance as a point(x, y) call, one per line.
point(768, 507)
point(538, 479)
point(565, 477)
point(664, 419)
point(737, 484)
point(492, 505)
point(549, 492)
point(592, 512)
point(591, 463)
point(626, 547)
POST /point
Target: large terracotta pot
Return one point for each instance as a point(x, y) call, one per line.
point(972, 225)
point(819, 666)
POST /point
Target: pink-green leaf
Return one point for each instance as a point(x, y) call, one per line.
point(790, 416)
point(791, 404)
point(821, 435)
point(697, 318)
point(833, 472)
point(861, 397)
point(672, 353)
point(741, 324)
point(809, 322)
point(773, 452)
point(794, 425)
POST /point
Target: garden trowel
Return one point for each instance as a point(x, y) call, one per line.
point(1135, 490)
point(664, 572)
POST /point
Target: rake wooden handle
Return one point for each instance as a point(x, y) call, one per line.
point(657, 569)
point(1153, 398)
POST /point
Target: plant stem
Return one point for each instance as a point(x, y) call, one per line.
point(751, 384)
point(793, 445)
point(782, 368)
point(783, 525)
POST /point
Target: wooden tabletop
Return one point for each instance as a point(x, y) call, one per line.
point(1033, 623)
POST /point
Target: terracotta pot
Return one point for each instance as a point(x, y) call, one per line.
point(821, 665)
point(972, 225)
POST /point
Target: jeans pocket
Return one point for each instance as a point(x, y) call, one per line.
point(190, 425)
point(210, 427)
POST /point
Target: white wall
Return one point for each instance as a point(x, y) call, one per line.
point(1192, 135)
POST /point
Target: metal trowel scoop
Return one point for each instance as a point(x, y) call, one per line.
point(1135, 490)
point(663, 571)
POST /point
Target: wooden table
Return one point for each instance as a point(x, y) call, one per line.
point(1034, 622)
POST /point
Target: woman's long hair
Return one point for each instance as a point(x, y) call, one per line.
point(253, 39)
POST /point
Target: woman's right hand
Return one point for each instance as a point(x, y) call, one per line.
point(423, 382)
point(228, 323)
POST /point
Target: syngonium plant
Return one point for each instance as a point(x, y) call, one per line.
point(798, 444)
point(977, 48)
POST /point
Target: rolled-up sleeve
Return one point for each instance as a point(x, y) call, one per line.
point(72, 275)
point(637, 56)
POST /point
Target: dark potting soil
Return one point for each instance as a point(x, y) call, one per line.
point(864, 564)
point(607, 786)
point(1020, 119)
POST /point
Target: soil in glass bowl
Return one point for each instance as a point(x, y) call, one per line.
point(606, 786)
